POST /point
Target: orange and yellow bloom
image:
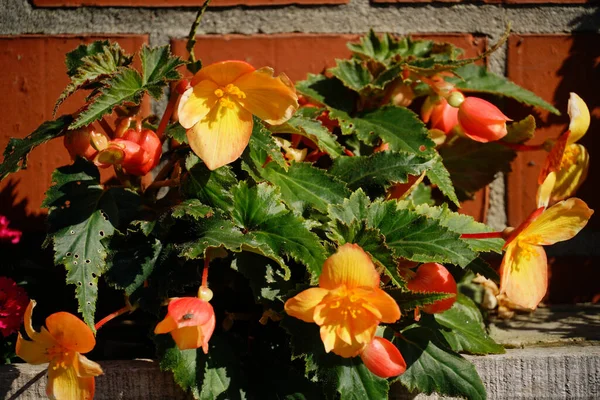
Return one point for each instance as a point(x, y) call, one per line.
point(524, 269)
point(348, 305)
point(61, 343)
point(190, 321)
point(217, 110)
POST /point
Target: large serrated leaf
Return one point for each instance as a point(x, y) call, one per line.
point(17, 150)
point(440, 176)
point(210, 187)
point(378, 170)
point(327, 91)
point(399, 127)
point(158, 68)
point(266, 282)
point(81, 215)
point(372, 46)
point(263, 147)
point(478, 79)
point(191, 208)
point(520, 131)
point(354, 74)
point(431, 367)
point(465, 331)
point(90, 64)
point(474, 165)
point(313, 130)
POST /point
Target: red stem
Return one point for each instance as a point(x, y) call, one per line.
point(205, 272)
point(109, 317)
point(482, 235)
point(167, 115)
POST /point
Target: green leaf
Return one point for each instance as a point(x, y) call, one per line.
point(354, 74)
point(313, 130)
point(408, 300)
point(461, 223)
point(177, 132)
point(439, 176)
point(356, 382)
point(379, 170)
point(372, 46)
point(158, 68)
point(210, 187)
point(125, 86)
point(431, 367)
point(90, 64)
point(465, 331)
point(481, 267)
point(327, 91)
point(398, 126)
point(266, 282)
point(17, 150)
point(474, 165)
point(81, 215)
point(520, 131)
point(260, 212)
point(263, 146)
point(478, 79)
point(213, 232)
point(355, 208)
point(192, 208)
point(416, 237)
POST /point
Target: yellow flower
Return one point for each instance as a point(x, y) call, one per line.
point(348, 304)
point(217, 110)
point(61, 342)
point(524, 269)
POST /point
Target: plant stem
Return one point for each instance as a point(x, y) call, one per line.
point(107, 128)
point(482, 235)
point(114, 315)
point(167, 115)
point(167, 182)
point(205, 271)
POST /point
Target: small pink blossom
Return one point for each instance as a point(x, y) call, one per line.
point(13, 302)
point(7, 233)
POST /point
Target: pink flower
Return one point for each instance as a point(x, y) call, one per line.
point(13, 302)
point(481, 120)
point(8, 234)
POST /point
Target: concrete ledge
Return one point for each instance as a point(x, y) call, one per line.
point(542, 372)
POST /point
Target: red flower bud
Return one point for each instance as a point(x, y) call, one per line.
point(434, 277)
point(481, 120)
point(444, 117)
point(80, 142)
point(123, 152)
point(382, 358)
point(150, 143)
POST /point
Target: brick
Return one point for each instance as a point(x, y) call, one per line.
point(552, 66)
point(34, 75)
point(176, 3)
point(295, 55)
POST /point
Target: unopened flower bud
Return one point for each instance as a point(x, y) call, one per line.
point(204, 293)
point(434, 278)
point(481, 120)
point(455, 99)
point(382, 358)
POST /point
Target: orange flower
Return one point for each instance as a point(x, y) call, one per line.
point(61, 343)
point(524, 269)
point(190, 321)
point(481, 120)
point(348, 305)
point(217, 110)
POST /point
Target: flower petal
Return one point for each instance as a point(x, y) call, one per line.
point(545, 189)
point(42, 338)
point(189, 337)
point(223, 72)
point(207, 331)
point(30, 351)
point(70, 332)
point(190, 311)
point(196, 103)
point(272, 99)
point(560, 222)
point(384, 303)
point(302, 306)
point(64, 384)
point(349, 266)
point(85, 368)
point(165, 326)
point(222, 135)
point(524, 274)
point(333, 343)
point(580, 118)
point(572, 173)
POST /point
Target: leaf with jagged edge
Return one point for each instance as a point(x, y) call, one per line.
point(177, 132)
point(408, 300)
point(327, 91)
point(461, 223)
point(158, 68)
point(483, 268)
point(354, 74)
point(313, 130)
point(17, 150)
point(379, 170)
point(399, 127)
point(375, 47)
point(129, 86)
point(440, 176)
point(476, 78)
point(344, 378)
point(88, 65)
point(301, 185)
point(81, 215)
point(474, 165)
point(260, 211)
point(465, 331)
point(266, 282)
point(191, 208)
point(433, 367)
point(418, 238)
point(207, 376)
point(520, 131)
point(262, 146)
point(355, 208)
point(212, 188)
